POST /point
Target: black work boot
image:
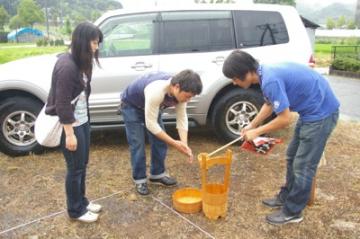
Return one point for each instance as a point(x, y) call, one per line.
point(274, 202)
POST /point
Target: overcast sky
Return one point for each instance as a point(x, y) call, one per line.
point(144, 3)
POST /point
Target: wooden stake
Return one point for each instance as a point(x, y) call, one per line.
point(312, 193)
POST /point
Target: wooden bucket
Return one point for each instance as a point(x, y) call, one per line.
point(215, 195)
point(187, 200)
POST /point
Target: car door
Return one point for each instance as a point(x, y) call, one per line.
point(197, 40)
point(127, 51)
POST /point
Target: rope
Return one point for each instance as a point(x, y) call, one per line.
point(184, 218)
point(102, 198)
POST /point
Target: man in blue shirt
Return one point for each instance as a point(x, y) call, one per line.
point(289, 87)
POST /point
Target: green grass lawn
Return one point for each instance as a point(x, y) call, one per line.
point(8, 53)
point(323, 47)
point(323, 54)
point(6, 45)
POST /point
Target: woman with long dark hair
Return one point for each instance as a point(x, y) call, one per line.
point(68, 98)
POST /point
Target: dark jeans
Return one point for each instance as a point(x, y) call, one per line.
point(135, 133)
point(303, 155)
point(76, 163)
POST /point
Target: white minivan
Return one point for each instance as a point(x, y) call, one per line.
point(136, 42)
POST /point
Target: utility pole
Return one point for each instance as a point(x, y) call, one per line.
point(357, 14)
point(47, 18)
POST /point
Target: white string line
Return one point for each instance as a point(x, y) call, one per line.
point(181, 216)
point(31, 222)
point(111, 195)
point(51, 215)
point(99, 199)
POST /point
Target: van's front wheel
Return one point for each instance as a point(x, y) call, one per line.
point(236, 109)
point(17, 119)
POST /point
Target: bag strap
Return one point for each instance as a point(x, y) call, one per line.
point(76, 98)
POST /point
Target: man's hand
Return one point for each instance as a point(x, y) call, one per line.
point(282, 120)
point(184, 149)
point(246, 128)
point(250, 135)
point(180, 146)
point(248, 132)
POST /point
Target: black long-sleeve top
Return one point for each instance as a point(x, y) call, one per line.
point(67, 83)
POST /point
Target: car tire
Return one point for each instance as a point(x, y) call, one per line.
point(234, 110)
point(17, 120)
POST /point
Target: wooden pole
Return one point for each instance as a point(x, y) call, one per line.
point(312, 193)
point(225, 146)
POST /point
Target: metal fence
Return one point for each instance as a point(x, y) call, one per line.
point(345, 51)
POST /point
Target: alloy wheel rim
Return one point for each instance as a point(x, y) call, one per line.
point(18, 128)
point(240, 115)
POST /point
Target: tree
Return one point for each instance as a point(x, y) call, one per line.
point(78, 18)
point(4, 17)
point(351, 24)
point(95, 15)
point(340, 23)
point(10, 6)
point(282, 2)
point(68, 27)
point(330, 24)
point(16, 23)
point(30, 13)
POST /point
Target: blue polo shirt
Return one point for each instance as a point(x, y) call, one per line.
point(299, 88)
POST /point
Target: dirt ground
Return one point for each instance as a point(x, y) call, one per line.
point(32, 188)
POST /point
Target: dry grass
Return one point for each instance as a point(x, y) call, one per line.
point(33, 186)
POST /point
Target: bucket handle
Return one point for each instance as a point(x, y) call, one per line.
point(207, 162)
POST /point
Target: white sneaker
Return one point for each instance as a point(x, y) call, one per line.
point(94, 207)
point(88, 217)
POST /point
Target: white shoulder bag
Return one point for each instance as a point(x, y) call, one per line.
point(48, 128)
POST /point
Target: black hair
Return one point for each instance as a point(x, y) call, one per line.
point(189, 81)
point(81, 51)
point(238, 64)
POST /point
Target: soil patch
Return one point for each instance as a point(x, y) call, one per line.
point(32, 187)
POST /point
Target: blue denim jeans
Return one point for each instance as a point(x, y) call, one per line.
point(136, 132)
point(303, 155)
point(76, 163)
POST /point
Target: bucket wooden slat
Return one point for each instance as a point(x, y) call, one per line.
point(184, 206)
point(214, 195)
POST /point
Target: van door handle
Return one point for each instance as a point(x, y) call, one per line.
point(218, 60)
point(141, 66)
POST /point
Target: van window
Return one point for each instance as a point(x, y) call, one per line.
point(128, 35)
point(259, 28)
point(196, 31)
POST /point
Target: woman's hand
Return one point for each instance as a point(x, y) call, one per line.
point(71, 142)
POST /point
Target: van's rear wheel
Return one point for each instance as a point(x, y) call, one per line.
point(236, 109)
point(17, 120)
